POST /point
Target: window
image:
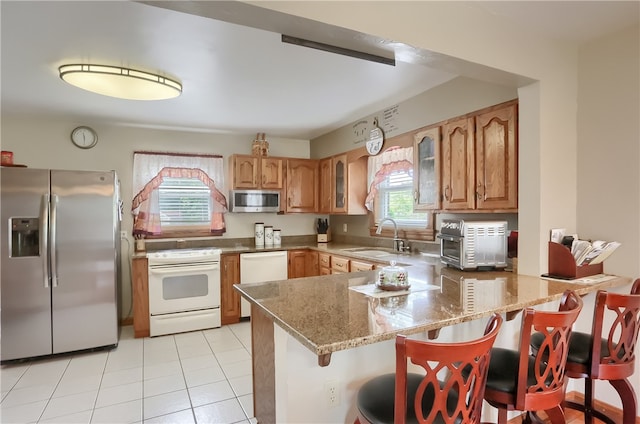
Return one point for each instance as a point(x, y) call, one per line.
point(184, 202)
point(178, 195)
point(395, 200)
point(390, 178)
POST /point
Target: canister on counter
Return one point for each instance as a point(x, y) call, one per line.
point(277, 238)
point(6, 157)
point(259, 234)
point(268, 235)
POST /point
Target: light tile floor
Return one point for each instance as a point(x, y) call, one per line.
point(197, 377)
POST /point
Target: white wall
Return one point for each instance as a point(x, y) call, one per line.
point(608, 158)
point(43, 142)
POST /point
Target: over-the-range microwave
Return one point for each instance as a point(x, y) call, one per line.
point(254, 201)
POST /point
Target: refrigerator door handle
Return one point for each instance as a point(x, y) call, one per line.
point(44, 237)
point(53, 240)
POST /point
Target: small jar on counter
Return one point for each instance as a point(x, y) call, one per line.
point(268, 235)
point(277, 238)
point(259, 234)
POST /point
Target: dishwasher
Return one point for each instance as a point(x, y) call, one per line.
point(259, 268)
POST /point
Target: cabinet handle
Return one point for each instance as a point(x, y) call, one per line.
point(484, 192)
point(289, 201)
point(264, 179)
point(446, 193)
point(415, 195)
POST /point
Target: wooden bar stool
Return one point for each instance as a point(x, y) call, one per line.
point(418, 398)
point(614, 353)
point(523, 382)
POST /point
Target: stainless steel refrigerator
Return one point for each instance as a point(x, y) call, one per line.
point(60, 261)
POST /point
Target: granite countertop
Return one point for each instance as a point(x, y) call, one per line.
point(341, 311)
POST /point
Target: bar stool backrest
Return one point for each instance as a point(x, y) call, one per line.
point(452, 359)
point(622, 335)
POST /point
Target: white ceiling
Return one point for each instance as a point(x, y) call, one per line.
point(236, 78)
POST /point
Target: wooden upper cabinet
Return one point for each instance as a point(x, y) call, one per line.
point(497, 159)
point(426, 169)
point(229, 297)
point(302, 184)
point(325, 189)
point(339, 184)
point(271, 173)
point(458, 164)
point(254, 172)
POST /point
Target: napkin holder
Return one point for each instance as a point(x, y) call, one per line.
point(562, 264)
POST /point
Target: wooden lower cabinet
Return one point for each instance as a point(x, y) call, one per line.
point(297, 263)
point(339, 264)
point(229, 298)
point(312, 265)
point(357, 266)
point(140, 279)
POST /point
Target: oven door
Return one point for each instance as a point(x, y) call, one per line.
point(451, 250)
point(183, 287)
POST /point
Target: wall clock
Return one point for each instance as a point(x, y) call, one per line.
point(376, 138)
point(84, 137)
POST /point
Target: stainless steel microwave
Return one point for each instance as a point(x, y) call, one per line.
point(254, 201)
point(470, 245)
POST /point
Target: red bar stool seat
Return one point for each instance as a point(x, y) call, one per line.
point(616, 353)
point(424, 398)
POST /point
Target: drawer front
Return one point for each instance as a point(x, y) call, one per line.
point(340, 264)
point(325, 260)
point(361, 266)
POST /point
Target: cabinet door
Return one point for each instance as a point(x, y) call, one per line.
point(458, 165)
point(245, 171)
point(426, 169)
point(302, 185)
point(325, 189)
point(339, 184)
point(312, 265)
point(140, 275)
point(229, 298)
point(496, 159)
point(271, 173)
point(297, 263)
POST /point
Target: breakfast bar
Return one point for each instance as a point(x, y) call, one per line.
point(334, 332)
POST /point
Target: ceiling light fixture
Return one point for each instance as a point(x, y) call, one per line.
point(338, 50)
point(123, 83)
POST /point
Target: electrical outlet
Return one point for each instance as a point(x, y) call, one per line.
point(123, 234)
point(344, 228)
point(331, 392)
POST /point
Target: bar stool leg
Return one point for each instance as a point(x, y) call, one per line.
point(588, 400)
point(556, 415)
point(628, 397)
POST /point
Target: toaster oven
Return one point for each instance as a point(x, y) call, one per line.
point(473, 245)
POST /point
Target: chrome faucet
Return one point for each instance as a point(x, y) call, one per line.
point(398, 244)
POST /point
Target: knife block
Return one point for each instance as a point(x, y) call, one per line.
point(562, 264)
point(324, 238)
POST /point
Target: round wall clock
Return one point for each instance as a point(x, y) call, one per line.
point(84, 137)
point(376, 138)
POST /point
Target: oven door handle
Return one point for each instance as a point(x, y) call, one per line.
point(182, 269)
point(449, 237)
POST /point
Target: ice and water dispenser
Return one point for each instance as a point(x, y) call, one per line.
point(25, 237)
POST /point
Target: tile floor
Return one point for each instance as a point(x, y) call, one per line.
point(198, 377)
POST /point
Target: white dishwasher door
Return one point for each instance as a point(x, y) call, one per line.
point(259, 268)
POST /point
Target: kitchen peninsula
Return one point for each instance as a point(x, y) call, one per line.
point(336, 332)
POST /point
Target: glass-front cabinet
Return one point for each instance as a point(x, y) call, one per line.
point(339, 196)
point(426, 173)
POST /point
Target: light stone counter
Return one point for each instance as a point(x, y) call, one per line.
point(351, 334)
point(326, 316)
